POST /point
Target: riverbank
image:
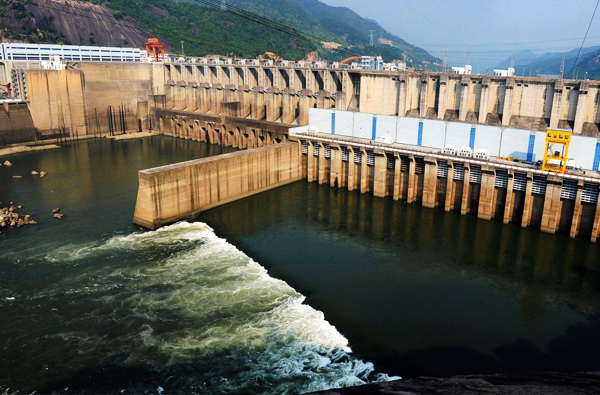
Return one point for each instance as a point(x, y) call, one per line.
point(23, 148)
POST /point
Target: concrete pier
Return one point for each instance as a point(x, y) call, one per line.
point(181, 191)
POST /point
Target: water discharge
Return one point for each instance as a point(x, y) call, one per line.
point(203, 315)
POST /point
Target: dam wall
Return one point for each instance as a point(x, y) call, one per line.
point(495, 189)
point(181, 191)
point(526, 145)
point(16, 124)
point(516, 102)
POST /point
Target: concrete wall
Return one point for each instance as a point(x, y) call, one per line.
point(552, 203)
point(171, 193)
point(499, 141)
point(56, 101)
point(16, 124)
point(516, 102)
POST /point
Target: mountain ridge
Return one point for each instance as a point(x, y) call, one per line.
point(205, 30)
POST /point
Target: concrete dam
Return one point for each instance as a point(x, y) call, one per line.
point(272, 108)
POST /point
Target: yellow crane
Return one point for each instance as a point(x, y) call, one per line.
point(557, 150)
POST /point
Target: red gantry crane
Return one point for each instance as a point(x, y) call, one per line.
point(156, 49)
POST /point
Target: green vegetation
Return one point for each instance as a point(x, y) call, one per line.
point(16, 12)
point(207, 30)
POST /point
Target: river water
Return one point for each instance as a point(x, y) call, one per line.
point(270, 294)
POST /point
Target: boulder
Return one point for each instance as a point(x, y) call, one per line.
point(43, 174)
point(35, 173)
point(58, 216)
point(17, 177)
point(19, 207)
point(56, 210)
point(32, 223)
point(27, 217)
point(7, 163)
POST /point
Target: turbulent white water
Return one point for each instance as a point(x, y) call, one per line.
point(211, 318)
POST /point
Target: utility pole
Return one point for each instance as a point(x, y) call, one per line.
point(182, 52)
point(372, 41)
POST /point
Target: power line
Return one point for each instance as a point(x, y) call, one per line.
point(586, 34)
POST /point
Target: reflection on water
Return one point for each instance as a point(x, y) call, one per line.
point(94, 304)
point(421, 291)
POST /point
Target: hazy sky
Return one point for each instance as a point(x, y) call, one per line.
point(483, 27)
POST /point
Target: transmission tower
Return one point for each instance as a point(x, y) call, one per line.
point(372, 42)
point(224, 5)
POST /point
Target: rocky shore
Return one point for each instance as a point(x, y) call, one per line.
point(10, 218)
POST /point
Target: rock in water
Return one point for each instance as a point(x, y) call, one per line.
point(56, 210)
point(19, 207)
point(35, 173)
point(17, 177)
point(7, 163)
point(43, 174)
point(58, 216)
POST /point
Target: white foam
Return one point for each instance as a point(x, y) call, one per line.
point(230, 305)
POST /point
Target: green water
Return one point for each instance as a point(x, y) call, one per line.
point(93, 304)
point(275, 297)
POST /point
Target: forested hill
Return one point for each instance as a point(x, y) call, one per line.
point(205, 29)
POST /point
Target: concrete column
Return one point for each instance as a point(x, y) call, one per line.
point(486, 197)
point(596, 226)
point(528, 204)
point(348, 89)
point(340, 101)
point(245, 99)
point(273, 98)
point(229, 93)
point(509, 206)
point(204, 97)
point(441, 114)
point(170, 94)
point(323, 100)
point(423, 97)
point(335, 175)
point(216, 98)
point(323, 176)
point(397, 178)
point(430, 183)
point(485, 97)
point(352, 184)
point(577, 212)
point(304, 105)
point(191, 98)
point(411, 194)
point(180, 93)
point(365, 184)
point(402, 89)
point(556, 101)
point(289, 105)
point(258, 107)
point(552, 205)
point(465, 83)
point(381, 175)
point(465, 205)
point(581, 104)
point(450, 189)
point(311, 164)
point(508, 98)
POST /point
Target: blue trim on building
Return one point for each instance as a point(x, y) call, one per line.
point(596, 166)
point(472, 139)
point(530, 149)
point(420, 138)
point(374, 131)
point(332, 123)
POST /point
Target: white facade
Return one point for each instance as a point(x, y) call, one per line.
point(505, 73)
point(371, 63)
point(468, 69)
point(46, 52)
